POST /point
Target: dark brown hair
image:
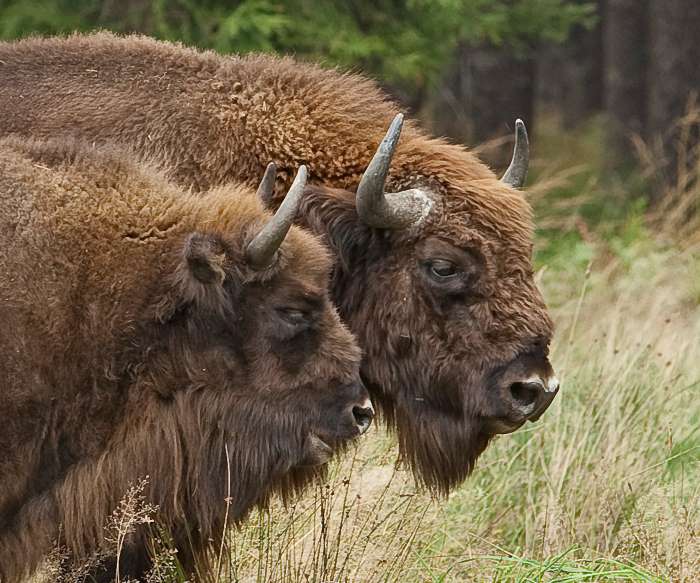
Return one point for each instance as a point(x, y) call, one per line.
point(434, 355)
point(137, 343)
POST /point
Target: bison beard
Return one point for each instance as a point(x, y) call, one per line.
point(442, 448)
point(137, 344)
point(436, 414)
point(192, 468)
point(228, 116)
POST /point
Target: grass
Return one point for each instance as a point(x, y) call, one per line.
point(605, 487)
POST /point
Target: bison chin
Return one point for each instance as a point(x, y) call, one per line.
point(440, 447)
point(311, 468)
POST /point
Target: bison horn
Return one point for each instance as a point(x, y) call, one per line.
point(517, 171)
point(393, 210)
point(267, 184)
point(261, 250)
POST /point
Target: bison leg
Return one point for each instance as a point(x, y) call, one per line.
point(134, 565)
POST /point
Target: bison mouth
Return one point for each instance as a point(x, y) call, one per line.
point(335, 428)
point(317, 451)
point(494, 426)
point(514, 421)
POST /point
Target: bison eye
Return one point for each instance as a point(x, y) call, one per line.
point(293, 316)
point(441, 270)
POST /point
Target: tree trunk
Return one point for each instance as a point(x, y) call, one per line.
point(570, 76)
point(674, 80)
point(626, 38)
point(448, 107)
point(483, 94)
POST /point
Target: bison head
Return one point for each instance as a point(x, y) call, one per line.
point(437, 283)
point(271, 373)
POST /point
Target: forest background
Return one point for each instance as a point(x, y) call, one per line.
point(606, 487)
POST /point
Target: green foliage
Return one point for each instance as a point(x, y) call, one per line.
point(561, 569)
point(406, 42)
point(520, 23)
point(19, 18)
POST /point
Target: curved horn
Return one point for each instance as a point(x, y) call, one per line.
point(261, 250)
point(517, 171)
point(267, 185)
point(388, 210)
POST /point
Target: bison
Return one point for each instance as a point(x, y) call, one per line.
point(432, 268)
point(148, 332)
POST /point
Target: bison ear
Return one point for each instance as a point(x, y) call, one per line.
point(204, 257)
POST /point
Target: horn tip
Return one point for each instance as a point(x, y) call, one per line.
point(396, 125)
point(520, 129)
point(266, 188)
point(392, 136)
point(298, 184)
point(302, 175)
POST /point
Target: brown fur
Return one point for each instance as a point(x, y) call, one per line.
point(135, 341)
point(435, 360)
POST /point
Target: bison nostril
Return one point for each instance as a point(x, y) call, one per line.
point(363, 417)
point(525, 395)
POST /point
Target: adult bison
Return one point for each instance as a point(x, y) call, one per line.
point(434, 277)
point(150, 333)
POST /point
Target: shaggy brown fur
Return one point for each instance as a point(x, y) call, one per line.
point(435, 355)
point(135, 341)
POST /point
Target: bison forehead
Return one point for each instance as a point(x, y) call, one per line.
point(463, 207)
point(504, 238)
point(306, 255)
point(492, 206)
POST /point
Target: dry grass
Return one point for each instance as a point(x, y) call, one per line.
point(678, 214)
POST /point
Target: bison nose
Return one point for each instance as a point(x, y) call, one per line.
point(531, 397)
point(363, 415)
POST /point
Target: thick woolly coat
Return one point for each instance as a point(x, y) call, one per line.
point(120, 361)
point(429, 360)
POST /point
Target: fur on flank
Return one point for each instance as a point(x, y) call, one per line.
point(433, 356)
point(136, 342)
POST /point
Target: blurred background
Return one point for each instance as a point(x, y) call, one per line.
point(468, 68)
point(606, 487)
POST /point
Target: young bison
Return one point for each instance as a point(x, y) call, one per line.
point(434, 277)
point(147, 332)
